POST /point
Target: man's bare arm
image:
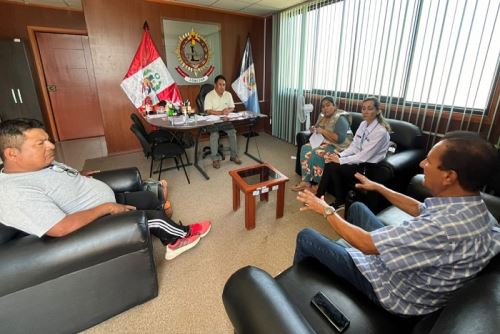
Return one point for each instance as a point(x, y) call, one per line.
point(222, 112)
point(409, 205)
point(354, 235)
point(77, 220)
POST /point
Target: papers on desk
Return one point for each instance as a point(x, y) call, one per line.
point(235, 115)
point(180, 120)
point(151, 116)
point(210, 118)
point(316, 139)
point(215, 118)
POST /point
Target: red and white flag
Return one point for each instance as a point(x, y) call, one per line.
point(149, 77)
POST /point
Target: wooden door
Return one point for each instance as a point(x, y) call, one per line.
point(71, 86)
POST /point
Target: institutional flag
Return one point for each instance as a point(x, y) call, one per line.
point(245, 86)
point(148, 76)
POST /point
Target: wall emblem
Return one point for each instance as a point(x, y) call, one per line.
point(194, 55)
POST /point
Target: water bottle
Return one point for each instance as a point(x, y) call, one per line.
point(170, 109)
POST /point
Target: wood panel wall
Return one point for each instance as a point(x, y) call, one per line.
point(115, 30)
point(14, 20)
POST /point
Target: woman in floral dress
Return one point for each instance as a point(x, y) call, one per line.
point(335, 126)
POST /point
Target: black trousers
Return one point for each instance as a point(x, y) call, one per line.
point(339, 179)
point(159, 224)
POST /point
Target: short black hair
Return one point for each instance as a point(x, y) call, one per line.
point(471, 157)
point(220, 76)
point(12, 130)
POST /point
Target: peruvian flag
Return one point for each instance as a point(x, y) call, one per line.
point(148, 76)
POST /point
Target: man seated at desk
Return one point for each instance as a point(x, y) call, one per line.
point(220, 102)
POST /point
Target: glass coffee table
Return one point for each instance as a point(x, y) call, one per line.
point(257, 180)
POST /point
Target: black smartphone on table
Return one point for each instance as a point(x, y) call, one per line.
point(330, 311)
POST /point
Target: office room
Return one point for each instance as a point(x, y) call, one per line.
point(305, 99)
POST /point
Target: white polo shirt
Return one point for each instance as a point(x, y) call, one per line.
point(215, 102)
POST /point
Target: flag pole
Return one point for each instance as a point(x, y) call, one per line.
point(250, 133)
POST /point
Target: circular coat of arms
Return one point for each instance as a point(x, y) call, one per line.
point(194, 55)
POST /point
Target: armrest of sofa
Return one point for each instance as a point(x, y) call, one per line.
point(30, 260)
point(255, 303)
point(416, 188)
point(301, 138)
point(403, 161)
point(474, 307)
point(121, 180)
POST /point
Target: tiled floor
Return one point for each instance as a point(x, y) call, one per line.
point(74, 152)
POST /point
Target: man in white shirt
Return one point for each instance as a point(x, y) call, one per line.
point(220, 102)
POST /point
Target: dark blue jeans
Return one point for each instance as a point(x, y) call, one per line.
point(333, 255)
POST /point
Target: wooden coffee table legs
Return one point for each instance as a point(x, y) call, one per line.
point(236, 195)
point(249, 211)
point(280, 200)
point(250, 203)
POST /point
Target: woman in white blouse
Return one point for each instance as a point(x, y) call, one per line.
point(369, 147)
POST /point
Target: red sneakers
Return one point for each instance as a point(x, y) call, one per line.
point(200, 228)
point(180, 246)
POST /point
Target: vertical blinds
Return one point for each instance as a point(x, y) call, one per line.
point(433, 63)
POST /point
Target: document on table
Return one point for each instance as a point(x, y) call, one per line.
point(212, 118)
point(151, 116)
point(232, 115)
point(316, 139)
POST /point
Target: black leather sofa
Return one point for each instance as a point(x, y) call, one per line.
point(258, 303)
point(396, 169)
point(68, 284)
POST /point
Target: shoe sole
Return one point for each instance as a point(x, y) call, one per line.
point(173, 254)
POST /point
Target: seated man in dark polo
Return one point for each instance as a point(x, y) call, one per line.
point(412, 269)
point(43, 197)
point(220, 102)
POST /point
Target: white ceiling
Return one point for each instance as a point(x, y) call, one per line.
point(251, 7)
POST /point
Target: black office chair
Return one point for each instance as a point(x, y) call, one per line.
point(159, 136)
point(200, 104)
point(159, 151)
point(200, 99)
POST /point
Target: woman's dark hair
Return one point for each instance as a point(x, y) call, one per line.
point(471, 157)
point(380, 117)
point(220, 76)
point(328, 98)
point(12, 132)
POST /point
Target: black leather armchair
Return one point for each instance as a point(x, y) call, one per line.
point(396, 170)
point(258, 303)
point(67, 284)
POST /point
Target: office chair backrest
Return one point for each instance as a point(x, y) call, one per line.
point(137, 121)
point(200, 99)
point(147, 147)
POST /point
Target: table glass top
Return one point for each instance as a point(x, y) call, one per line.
point(259, 174)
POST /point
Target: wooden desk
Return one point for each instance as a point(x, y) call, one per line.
point(170, 124)
point(257, 180)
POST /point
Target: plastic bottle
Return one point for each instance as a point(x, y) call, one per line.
point(170, 109)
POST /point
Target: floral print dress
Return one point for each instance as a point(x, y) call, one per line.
point(313, 160)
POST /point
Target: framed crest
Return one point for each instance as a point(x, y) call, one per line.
point(193, 51)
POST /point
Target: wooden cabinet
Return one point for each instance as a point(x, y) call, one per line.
point(18, 97)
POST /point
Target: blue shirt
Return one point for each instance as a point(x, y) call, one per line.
point(370, 144)
point(422, 261)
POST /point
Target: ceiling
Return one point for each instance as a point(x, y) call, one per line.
point(251, 7)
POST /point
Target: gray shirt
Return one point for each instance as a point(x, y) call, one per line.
point(34, 202)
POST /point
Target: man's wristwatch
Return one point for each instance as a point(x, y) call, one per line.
point(328, 210)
